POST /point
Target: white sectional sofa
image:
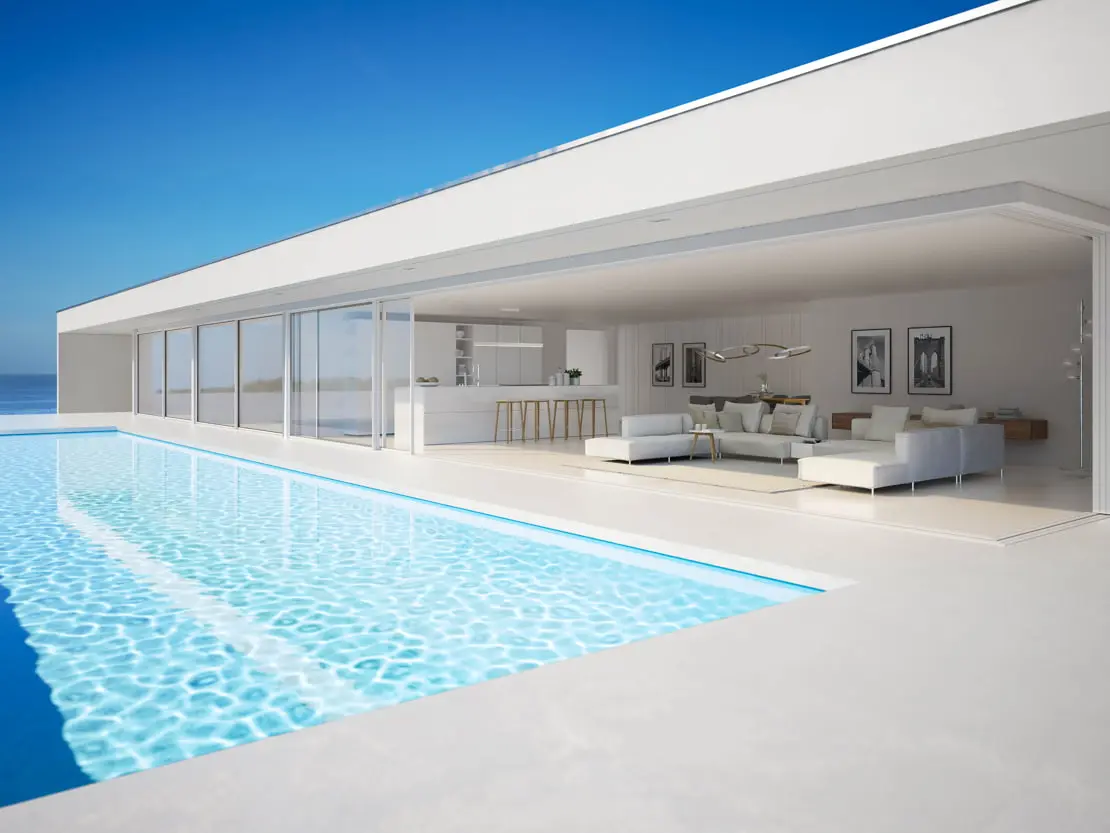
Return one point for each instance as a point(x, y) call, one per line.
point(663, 436)
point(914, 456)
point(920, 452)
point(647, 437)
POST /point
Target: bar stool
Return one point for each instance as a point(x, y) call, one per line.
point(593, 415)
point(530, 403)
point(553, 415)
point(509, 404)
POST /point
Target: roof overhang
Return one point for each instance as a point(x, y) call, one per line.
point(963, 111)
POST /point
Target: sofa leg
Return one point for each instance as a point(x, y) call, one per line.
point(913, 486)
point(872, 491)
point(1002, 474)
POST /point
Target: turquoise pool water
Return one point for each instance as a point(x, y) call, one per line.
point(178, 603)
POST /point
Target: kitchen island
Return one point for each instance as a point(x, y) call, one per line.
point(465, 414)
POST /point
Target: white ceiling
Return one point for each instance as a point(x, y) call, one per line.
point(969, 250)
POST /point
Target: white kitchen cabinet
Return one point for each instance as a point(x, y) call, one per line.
point(531, 366)
point(435, 351)
point(508, 365)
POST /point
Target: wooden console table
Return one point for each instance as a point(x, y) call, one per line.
point(1021, 429)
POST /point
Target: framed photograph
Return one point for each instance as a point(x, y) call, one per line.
point(662, 365)
point(929, 350)
point(871, 361)
point(693, 365)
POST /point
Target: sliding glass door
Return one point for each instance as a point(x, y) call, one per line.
point(179, 374)
point(152, 374)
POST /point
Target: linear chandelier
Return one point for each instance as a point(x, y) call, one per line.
point(749, 350)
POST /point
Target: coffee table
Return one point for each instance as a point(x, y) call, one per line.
point(714, 454)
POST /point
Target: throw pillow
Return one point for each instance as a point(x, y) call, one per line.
point(731, 421)
point(752, 412)
point(784, 424)
point(950, 416)
point(886, 422)
point(704, 415)
point(765, 424)
point(806, 416)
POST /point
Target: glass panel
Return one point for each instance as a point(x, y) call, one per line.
point(262, 374)
point(216, 374)
point(179, 374)
point(305, 392)
point(396, 374)
point(152, 351)
point(346, 373)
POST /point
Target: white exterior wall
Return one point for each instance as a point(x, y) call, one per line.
point(1008, 347)
point(94, 373)
point(1026, 67)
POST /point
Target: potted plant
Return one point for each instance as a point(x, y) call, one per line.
point(574, 375)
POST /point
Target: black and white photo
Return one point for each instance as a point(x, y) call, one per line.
point(693, 364)
point(929, 350)
point(662, 364)
point(871, 361)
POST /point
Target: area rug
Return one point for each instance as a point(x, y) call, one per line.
point(725, 473)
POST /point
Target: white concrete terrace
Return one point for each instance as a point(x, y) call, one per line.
point(939, 684)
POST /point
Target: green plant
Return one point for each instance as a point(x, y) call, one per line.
point(573, 372)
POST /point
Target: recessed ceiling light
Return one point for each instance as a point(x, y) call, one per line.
point(510, 309)
point(407, 268)
point(659, 220)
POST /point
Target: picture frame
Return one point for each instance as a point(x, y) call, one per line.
point(870, 359)
point(693, 364)
point(929, 361)
point(662, 364)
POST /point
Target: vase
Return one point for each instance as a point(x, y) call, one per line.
point(574, 380)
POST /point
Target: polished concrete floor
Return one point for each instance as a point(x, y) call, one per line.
point(943, 683)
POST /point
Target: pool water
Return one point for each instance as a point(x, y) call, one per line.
point(177, 603)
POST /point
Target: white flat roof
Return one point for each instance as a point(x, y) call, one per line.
point(1005, 67)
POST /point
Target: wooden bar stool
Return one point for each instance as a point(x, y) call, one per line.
point(534, 403)
point(554, 414)
point(592, 403)
point(509, 405)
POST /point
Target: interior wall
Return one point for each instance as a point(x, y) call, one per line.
point(94, 373)
point(588, 350)
point(1008, 348)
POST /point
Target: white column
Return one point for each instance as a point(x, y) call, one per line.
point(412, 378)
point(196, 373)
point(628, 368)
point(1100, 375)
point(287, 373)
point(134, 372)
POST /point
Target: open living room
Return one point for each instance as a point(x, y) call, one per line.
point(927, 375)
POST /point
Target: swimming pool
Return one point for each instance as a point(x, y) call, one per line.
point(163, 603)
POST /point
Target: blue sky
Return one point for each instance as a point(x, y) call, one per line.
point(143, 137)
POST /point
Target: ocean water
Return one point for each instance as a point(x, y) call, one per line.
point(26, 394)
point(159, 603)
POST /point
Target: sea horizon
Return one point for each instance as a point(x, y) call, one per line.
point(28, 393)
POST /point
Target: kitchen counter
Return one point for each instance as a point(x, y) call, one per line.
point(446, 414)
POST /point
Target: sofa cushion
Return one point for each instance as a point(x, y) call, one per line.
point(704, 415)
point(784, 424)
point(765, 424)
point(950, 416)
point(806, 415)
point(746, 444)
point(649, 425)
point(886, 422)
point(751, 412)
point(731, 421)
